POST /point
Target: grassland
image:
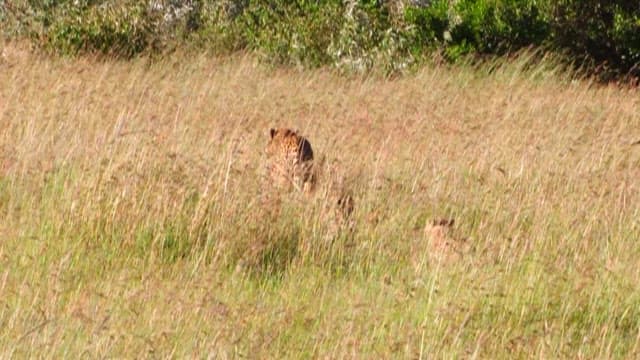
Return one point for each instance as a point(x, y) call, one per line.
point(128, 199)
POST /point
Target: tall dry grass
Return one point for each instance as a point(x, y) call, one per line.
point(129, 197)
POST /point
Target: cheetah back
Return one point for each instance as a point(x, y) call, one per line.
point(289, 160)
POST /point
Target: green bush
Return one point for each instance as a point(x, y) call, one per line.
point(430, 24)
point(353, 35)
point(477, 26)
point(367, 39)
point(600, 33)
point(297, 32)
point(120, 31)
point(117, 28)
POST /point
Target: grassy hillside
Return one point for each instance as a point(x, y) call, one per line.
point(129, 218)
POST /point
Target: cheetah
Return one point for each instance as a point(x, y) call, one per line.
point(290, 161)
point(290, 166)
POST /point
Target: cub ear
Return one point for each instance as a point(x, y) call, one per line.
point(272, 132)
point(446, 222)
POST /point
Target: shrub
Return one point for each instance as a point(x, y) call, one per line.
point(353, 35)
point(297, 32)
point(120, 31)
point(600, 33)
point(478, 26)
point(117, 28)
point(367, 38)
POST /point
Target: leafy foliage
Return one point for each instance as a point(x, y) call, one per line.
point(353, 35)
point(485, 27)
point(105, 30)
point(604, 33)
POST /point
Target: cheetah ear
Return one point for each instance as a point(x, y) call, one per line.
point(272, 132)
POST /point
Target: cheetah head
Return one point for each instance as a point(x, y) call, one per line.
point(284, 140)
